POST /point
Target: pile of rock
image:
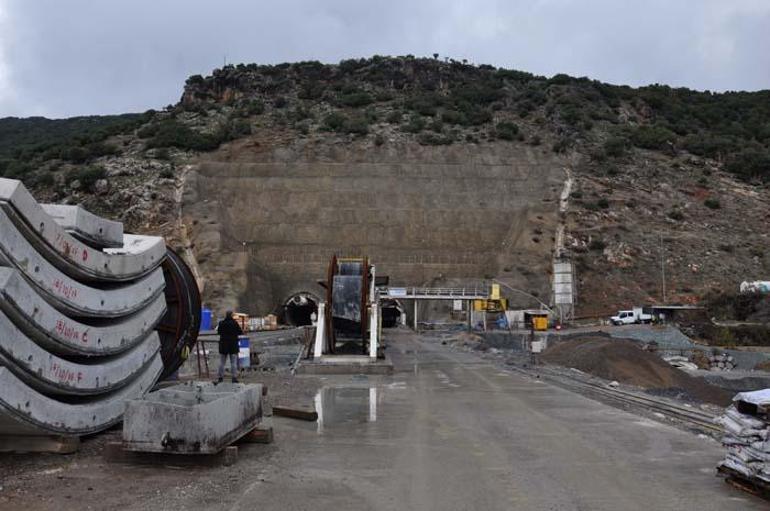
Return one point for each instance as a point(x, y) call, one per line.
point(721, 362)
point(681, 362)
point(747, 439)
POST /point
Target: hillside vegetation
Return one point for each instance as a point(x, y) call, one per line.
point(436, 101)
point(663, 177)
point(28, 144)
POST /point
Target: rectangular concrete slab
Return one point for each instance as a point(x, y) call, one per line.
point(346, 364)
point(192, 418)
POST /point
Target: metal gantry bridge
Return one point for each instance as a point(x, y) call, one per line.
point(468, 294)
point(436, 293)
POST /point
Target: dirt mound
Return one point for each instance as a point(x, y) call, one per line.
point(624, 361)
point(467, 337)
point(469, 340)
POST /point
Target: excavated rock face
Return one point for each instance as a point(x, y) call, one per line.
point(264, 223)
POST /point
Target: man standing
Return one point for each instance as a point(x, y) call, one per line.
point(229, 331)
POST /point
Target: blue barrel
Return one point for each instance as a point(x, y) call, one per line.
point(244, 352)
point(206, 316)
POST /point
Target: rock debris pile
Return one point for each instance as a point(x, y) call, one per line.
point(623, 361)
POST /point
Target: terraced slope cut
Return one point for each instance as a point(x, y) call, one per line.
point(264, 223)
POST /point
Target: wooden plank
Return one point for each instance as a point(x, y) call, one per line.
point(750, 485)
point(258, 436)
point(44, 443)
point(114, 452)
point(295, 413)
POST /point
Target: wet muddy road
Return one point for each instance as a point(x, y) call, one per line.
point(449, 431)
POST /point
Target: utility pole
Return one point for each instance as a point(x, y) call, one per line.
point(663, 268)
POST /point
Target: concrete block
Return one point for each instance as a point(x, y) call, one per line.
point(51, 374)
point(62, 335)
point(230, 455)
point(68, 294)
point(25, 411)
point(93, 230)
point(138, 256)
point(192, 418)
point(115, 452)
point(260, 435)
point(345, 364)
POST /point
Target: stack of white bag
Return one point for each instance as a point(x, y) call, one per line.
point(746, 436)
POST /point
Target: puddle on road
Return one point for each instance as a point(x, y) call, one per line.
point(337, 406)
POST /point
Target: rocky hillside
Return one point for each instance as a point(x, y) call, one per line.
point(662, 180)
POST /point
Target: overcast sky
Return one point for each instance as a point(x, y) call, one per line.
point(60, 58)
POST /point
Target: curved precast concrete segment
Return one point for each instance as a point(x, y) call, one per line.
point(138, 256)
point(67, 294)
point(93, 230)
point(23, 410)
point(63, 335)
point(50, 374)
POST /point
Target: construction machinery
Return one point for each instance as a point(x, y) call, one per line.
point(349, 319)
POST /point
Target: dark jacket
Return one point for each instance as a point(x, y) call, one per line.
point(228, 331)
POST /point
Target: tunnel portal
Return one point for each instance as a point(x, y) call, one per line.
point(299, 309)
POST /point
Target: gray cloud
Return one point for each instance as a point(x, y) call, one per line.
point(75, 57)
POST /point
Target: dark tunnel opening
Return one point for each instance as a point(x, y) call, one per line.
point(391, 313)
point(300, 308)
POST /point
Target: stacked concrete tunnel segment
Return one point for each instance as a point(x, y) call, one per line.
point(89, 316)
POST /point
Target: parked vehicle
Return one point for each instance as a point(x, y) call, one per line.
point(628, 317)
